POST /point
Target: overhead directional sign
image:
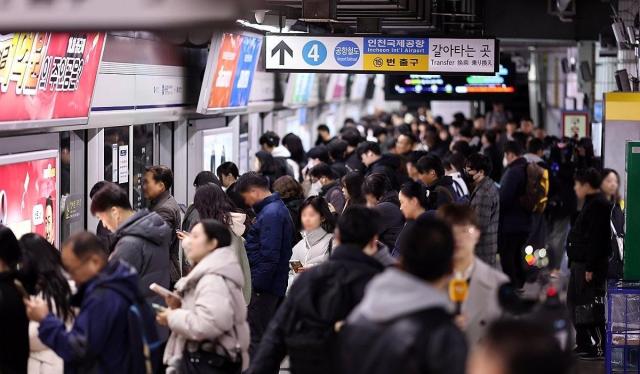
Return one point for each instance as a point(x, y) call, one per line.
point(380, 54)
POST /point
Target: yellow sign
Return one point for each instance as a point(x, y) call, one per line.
point(388, 62)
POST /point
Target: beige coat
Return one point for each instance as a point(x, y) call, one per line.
point(213, 307)
point(482, 306)
point(42, 360)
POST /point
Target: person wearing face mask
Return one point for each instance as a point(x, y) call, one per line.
point(330, 190)
point(208, 316)
point(140, 238)
point(485, 201)
point(515, 220)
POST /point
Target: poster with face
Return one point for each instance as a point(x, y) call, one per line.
point(575, 125)
point(28, 193)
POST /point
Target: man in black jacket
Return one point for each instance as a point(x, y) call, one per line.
point(515, 220)
point(331, 189)
point(303, 327)
point(387, 164)
point(431, 173)
point(589, 246)
point(404, 324)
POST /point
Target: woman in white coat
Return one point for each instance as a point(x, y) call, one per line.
point(317, 235)
point(208, 314)
point(42, 269)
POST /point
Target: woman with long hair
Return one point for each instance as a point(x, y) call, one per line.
point(292, 195)
point(317, 235)
point(14, 325)
point(352, 189)
point(610, 187)
point(208, 322)
point(42, 269)
point(294, 144)
point(211, 202)
point(267, 166)
point(414, 202)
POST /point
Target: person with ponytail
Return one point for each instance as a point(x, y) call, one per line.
point(414, 203)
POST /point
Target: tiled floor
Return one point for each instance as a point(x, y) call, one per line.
point(589, 367)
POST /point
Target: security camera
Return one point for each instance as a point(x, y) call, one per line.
point(260, 14)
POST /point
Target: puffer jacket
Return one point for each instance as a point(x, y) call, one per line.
point(393, 222)
point(213, 308)
point(143, 242)
point(312, 250)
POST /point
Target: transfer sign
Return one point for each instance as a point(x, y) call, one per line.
point(380, 54)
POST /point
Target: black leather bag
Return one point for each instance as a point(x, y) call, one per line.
point(591, 313)
point(205, 362)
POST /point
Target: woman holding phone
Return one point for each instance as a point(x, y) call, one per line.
point(209, 330)
point(317, 235)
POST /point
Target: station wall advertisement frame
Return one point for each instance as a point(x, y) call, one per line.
point(47, 78)
point(29, 193)
point(228, 77)
point(218, 146)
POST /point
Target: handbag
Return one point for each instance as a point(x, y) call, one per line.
point(205, 360)
point(615, 269)
point(591, 313)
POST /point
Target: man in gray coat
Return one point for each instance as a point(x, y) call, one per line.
point(157, 186)
point(485, 201)
point(140, 238)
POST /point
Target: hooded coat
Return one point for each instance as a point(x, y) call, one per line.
point(213, 307)
point(402, 325)
point(143, 242)
point(99, 341)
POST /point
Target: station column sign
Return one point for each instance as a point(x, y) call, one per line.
point(380, 54)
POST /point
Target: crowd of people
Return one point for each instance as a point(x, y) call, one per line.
point(384, 248)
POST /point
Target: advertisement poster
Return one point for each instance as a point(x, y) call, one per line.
point(123, 164)
point(45, 76)
point(28, 193)
point(225, 71)
point(217, 148)
point(249, 53)
point(575, 125)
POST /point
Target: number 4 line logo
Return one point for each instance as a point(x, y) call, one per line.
point(314, 53)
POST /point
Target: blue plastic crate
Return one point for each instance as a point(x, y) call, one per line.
point(622, 351)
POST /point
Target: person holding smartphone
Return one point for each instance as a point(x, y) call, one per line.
point(208, 321)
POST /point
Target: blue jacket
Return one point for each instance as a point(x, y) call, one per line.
point(269, 244)
point(514, 218)
point(99, 339)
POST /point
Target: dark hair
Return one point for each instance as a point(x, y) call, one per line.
point(376, 184)
point(227, 168)
point(514, 147)
point(590, 176)
point(294, 145)
point(461, 146)
point(205, 177)
point(491, 136)
point(365, 147)
point(416, 190)
point(251, 180)
point(379, 130)
point(96, 187)
point(216, 230)
point(161, 173)
point(351, 136)
point(109, 196)
point(426, 248)
point(479, 162)
point(323, 127)
point(288, 187)
point(358, 225)
point(322, 170)
point(428, 163)
point(458, 214)
point(527, 347)
point(412, 138)
point(85, 244)
point(212, 203)
point(521, 138)
point(605, 174)
point(454, 161)
point(337, 149)
point(535, 145)
point(320, 205)
point(270, 138)
point(10, 252)
point(414, 156)
point(352, 182)
point(43, 268)
point(268, 166)
point(320, 152)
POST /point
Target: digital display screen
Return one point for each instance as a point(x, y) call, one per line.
point(441, 87)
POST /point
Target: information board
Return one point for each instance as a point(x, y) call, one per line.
point(380, 54)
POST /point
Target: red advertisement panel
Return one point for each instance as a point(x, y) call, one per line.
point(222, 82)
point(28, 197)
point(46, 76)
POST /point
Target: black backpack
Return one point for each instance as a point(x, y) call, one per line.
point(145, 345)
